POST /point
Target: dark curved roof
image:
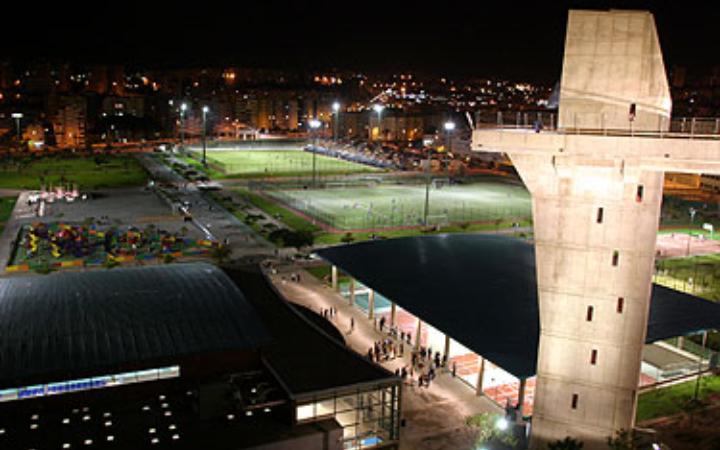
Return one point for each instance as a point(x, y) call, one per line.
point(481, 290)
point(304, 357)
point(72, 323)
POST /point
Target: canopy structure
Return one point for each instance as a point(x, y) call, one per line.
point(481, 290)
point(73, 323)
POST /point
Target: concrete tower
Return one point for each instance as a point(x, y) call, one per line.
point(596, 184)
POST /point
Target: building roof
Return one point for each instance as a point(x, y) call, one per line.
point(76, 323)
point(306, 359)
point(482, 291)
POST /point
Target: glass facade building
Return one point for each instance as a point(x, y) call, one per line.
point(369, 415)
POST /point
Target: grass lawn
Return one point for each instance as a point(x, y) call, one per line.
point(278, 163)
point(364, 207)
point(6, 206)
point(284, 215)
point(671, 400)
point(296, 222)
point(115, 171)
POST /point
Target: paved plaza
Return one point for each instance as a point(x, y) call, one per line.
point(435, 416)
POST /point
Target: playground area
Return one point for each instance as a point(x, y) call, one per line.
point(373, 205)
point(272, 162)
point(43, 246)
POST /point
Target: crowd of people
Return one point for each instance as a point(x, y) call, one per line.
point(424, 363)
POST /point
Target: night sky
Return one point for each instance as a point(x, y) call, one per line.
point(472, 37)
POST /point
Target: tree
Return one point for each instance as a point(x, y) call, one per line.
point(487, 430)
point(566, 444)
point(623, 440)
point(220, 253)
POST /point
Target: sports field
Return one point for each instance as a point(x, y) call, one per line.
point(279, 163)
point(382, 206)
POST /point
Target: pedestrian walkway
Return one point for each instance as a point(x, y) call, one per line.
point(435, 416)
point(208, 216)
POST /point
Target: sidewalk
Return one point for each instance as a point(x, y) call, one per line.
point(435, 415)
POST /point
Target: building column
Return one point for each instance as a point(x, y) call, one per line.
point(393, 313)
point(595, 226)
point(352, 291)
point(418, 332)
point(334, 276)
point(481, 374)
point(447, 347)
point(521, 398)
point(371, 304)
point(680, 342)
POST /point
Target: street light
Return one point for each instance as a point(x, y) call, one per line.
point(183, 107)
point(502, 424)
point(379, 109)
point(17, 117)
point(314, 125)
point(204, 132)
point(336, 110)
point(449, 128)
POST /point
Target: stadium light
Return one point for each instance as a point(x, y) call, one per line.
point(17, 117)
point(314, 124)
point(183, 107)
point(379, 109)
point(449, 125)
point(205, 110)
point(336, 122)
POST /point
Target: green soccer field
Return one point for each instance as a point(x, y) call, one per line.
point(354, 208)
point(279, 163)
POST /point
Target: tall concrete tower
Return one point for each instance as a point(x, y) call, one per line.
point(596, 184)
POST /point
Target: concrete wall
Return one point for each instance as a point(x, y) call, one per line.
point(575, 270)
point(613, 59)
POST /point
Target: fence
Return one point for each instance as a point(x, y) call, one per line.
point(678, 127)
point(399, 213)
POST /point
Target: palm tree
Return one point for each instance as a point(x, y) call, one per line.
point(566, 444)
point(220, 253)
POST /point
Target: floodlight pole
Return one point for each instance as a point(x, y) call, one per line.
point(336, 110)
point(427, 190)
point(183, 107)
point(204, 133)
point(17, 117)
point(314, 157)
point(315, 127)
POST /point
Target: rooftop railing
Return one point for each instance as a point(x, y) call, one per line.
point(679, 127)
